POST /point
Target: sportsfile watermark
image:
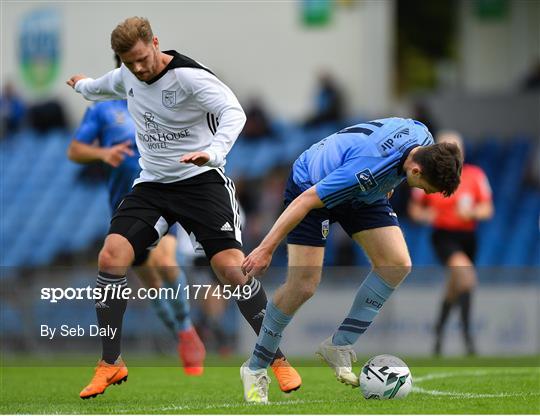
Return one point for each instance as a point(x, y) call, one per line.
point(51, 312)
point(189, 292)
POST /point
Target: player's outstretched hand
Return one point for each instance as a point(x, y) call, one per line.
point(197, 158)
point(74, 79)
point(257, 262)
point(116, 154)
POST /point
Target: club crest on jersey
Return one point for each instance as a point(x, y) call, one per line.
point(325, 228)
point(366, 180)
point(168, 98)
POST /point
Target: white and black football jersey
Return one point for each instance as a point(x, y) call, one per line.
point(185, 108)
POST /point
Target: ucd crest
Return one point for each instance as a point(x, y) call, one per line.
point(39, 47)
point(325, 228)
point(168, 98)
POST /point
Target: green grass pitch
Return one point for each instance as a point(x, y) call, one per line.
point(472, 386)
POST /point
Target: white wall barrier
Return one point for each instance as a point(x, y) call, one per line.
point(505, 322)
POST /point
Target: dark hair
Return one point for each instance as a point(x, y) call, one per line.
point(117, 61)
point(441, 165)
point(129, 32)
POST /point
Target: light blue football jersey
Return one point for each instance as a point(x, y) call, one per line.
point(360, 163)
point(110, 123)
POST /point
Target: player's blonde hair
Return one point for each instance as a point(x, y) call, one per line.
point(129, 32)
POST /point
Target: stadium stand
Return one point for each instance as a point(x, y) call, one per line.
point(47, 211)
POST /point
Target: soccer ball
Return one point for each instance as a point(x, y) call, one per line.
point(385, 377)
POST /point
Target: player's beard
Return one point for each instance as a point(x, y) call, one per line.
point(152, 71)
point(144, 76)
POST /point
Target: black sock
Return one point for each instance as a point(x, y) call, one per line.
point(464, 300)
point(254, 307)
point(110, 313)
point(446, 307)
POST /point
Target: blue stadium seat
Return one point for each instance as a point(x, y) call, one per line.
point(46, 210)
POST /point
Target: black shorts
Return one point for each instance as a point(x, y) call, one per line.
point(204, 205)
point(353, 217)
point(446, 243)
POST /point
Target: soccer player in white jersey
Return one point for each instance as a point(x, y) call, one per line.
point(187, 120)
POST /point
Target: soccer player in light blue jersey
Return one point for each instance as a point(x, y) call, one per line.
point(346, 178)
point(109, 124)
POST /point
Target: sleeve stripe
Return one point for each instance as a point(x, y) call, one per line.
point(211, 123)
point(426, 141)
point(343, 193)
point(208, 122)
point(214, 122)
point(337, 194)
point(363, 130)
point(338, 199)
point(374, 123)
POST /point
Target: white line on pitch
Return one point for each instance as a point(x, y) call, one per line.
point(475, 373)
point(233, 405)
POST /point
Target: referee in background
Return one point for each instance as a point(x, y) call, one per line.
point(454, 222)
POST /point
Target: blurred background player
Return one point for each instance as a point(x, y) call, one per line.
point(110, 125)
point(454, 221)
point(12, 110)
point(329, 102)
point(214, 317)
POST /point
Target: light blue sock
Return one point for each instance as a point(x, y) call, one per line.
point(165, 314)
point(370, 298)
point(273, 324)
point(180, 306)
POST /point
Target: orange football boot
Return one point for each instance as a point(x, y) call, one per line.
point(191, 351)
point(105, 374)
point(287, 377)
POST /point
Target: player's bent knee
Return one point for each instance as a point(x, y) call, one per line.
point(232, 276)
point(303, 287)
point(394, 269)
point(459, 259)
point(226, 264)
point(306, 292)
point(109, 261)
point(403, 262)
point(116, 253)
point(466, 282)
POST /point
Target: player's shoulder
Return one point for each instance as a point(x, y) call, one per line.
point(185, 66)
point(393, 136)
point(398, 127)
point(122, 73)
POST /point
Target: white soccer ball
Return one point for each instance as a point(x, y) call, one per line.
point(385, 377)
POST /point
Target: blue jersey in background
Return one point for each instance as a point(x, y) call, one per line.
point(110, 123)
point(362, 162)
